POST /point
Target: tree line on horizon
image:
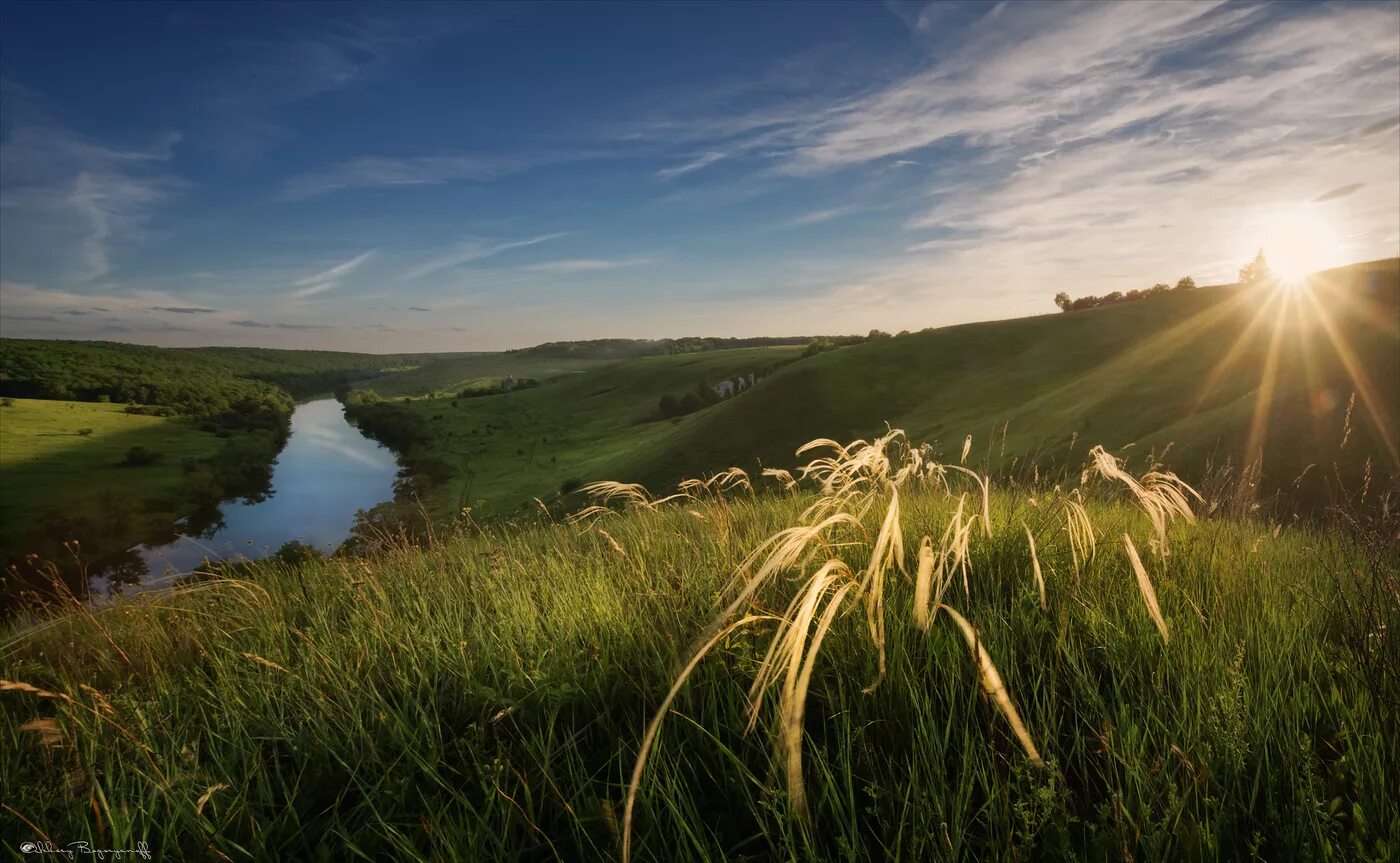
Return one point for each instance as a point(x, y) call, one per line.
point(1256, 272)
point(1075, 304)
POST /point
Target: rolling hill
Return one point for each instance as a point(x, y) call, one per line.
point(1203, 378)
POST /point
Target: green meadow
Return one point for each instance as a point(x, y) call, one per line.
point(490, 695)
point(61, 457)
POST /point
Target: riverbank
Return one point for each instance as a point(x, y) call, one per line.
point(200, 496)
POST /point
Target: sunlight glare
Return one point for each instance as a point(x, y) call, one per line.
point(1297, 242)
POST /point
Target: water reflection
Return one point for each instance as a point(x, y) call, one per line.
point(326, 473)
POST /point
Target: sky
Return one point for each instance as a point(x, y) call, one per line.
point(474, 177)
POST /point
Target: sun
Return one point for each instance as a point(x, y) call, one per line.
point(1297, 241)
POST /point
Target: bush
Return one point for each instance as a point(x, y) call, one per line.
point(569, 486)
point(689, 404)
point(296, 553)
point(84, 432)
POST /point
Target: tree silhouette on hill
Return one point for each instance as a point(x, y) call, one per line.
point(1256, 271)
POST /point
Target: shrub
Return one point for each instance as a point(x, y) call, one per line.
point(84, 432)
point(296, 553)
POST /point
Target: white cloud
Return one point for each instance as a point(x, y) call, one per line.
point(329, 278)
point(1098, 146)
point(817, 217)
point(473, 250)
point(77, 202)
point(701, 161)
point(371, 172)
point(586, 265)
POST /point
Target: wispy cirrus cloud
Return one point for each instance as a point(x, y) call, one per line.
point(375, 172)
point(71, 202)
point(1339, 192)
point(260, 79)
point(1097, 144)
point(473, 250)
point(703, 160)
point(586, 265)
point(817, 217)
point(329, 278)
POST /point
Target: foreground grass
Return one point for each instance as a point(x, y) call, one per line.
point(485, 699)
point(48, 464)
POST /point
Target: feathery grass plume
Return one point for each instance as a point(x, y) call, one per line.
point(1160, 494)
point(967, 448)
point(782, 476)
point(732, 478)
point(949, 557)
point(1082, 542)
point(795, 702)
point(923, 582)
point(1035, 565)
point(1149, 596)
point(993, 685)
point(594, 511)
point(616, 546)
point(983, 484)
point(779, 553)
point(886, 554)
point(654, 726)
point(208, 793)
point(913, 465)
point(693, 486)
point(48, 731)
point(786, 651)
point(957, 542)
point(608, 490)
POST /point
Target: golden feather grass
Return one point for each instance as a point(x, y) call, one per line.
point(852, 481)
point(1149, 596)
point(923, 582)
point(1162, 495)
point(886, 554)
point(1082, 542)
point(1035, 565)
point(984, 485)
point(783, 476)
point(994, 687)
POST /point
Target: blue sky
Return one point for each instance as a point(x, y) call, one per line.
point(476, 177)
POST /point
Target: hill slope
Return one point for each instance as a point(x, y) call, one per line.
point(1187, 369)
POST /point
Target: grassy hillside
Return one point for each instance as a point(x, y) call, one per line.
point(1186, 369)
point(488, 697)
point(450, 375)
point(1184, 373)
point(505, 450)
point(50, 466)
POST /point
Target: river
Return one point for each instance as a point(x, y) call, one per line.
point(325, 474)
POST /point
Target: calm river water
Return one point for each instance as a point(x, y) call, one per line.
point(325, 474)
